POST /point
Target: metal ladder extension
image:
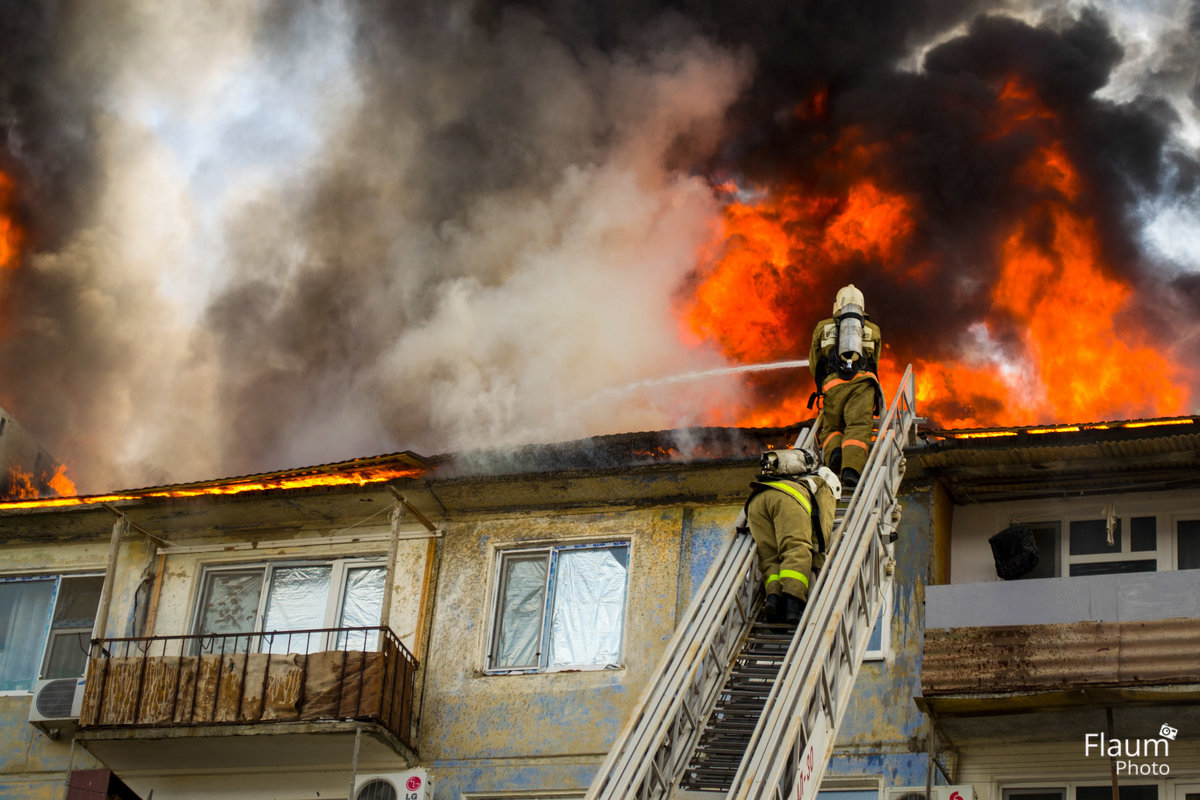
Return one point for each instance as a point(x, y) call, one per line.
point(808, 699)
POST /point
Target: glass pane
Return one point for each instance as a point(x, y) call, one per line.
point(1090, 536)
point(875, 643)
point(230, 605)
point(66, 655)
point(72, 624)
point(1189, 544)
point(1113, 567)
point(587, 622)
point(519, 616)
point(1142, 792)
point(362, 604)
point(296, 602)
point(848, 794)
point(1143, 534)
point(78, 599)
point(24, 619)
point(1046, 537)
point(1034, 794)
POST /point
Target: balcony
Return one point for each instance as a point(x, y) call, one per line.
point(1077, 644)
point(307, 689)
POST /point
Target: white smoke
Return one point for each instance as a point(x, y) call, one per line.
point(286, 266)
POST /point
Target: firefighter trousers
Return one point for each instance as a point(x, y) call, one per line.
point(782, 530)
point(847, 419)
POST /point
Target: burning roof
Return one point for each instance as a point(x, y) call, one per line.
point(473, 225)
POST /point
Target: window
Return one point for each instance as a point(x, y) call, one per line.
point(1048, 538)
point(1188, 536)
point(295, 599)
point(1079, 546)
point(45, 627)
point(1089, 552)
point(880, 641)
point(1082, 792)
point(559, 607)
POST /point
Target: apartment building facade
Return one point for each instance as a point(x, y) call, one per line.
point(278, 637)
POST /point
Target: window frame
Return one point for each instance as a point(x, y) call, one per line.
point(1165, 554)
point(884, 625)
point(1068, 787)
point(48, 633)
point(498, 581)
point(334, 599)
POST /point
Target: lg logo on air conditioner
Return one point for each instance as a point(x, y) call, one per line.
point(1133, 756)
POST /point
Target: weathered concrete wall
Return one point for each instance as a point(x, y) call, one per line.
point(484, 733)
point(883, 730)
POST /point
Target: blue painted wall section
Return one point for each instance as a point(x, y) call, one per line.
point(883, 732)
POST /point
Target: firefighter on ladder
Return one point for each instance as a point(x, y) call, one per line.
point(790, 515)
point(844, 361)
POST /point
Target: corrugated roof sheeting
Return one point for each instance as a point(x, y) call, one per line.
point(1026, 658)
point(1013, 463)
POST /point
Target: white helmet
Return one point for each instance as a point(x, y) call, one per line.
point(848, 295)
point(831, 480)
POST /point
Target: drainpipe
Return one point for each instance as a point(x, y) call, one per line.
point(120, 528)
point(389, 580)
point(1112, 762)
point(354, 762)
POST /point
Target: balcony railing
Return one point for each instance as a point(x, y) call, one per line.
point(323, 674)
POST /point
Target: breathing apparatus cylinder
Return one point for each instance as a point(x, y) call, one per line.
point(848, 313)
point(800, 461)
point(850, 333)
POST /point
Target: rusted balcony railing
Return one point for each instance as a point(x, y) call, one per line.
point(322, 674)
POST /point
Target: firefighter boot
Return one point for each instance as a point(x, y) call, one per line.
point(793, 609)
point(772, 612)
point(849, 479)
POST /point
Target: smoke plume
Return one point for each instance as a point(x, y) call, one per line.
point(257, 236)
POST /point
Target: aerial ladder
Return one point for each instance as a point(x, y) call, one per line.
point(698, 732)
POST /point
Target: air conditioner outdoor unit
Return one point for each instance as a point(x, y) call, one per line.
point(56, 702)
point(410, 785)
point(961, 792)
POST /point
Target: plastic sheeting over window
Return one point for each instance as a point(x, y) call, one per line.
point(296, 602)
point(298, 597)
point(588, 618)
point(362, 606)
point(581, 622)
point(522, 604)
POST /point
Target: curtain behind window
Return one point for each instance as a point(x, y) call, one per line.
point(24, 617)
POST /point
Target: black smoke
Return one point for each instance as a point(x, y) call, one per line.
point(498, 204)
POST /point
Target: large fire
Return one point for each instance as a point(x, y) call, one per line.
point(10, 234)
point(343, 476)
point(1056, 341)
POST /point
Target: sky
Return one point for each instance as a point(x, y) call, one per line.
point(261, 235)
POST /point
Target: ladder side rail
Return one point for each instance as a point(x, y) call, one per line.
point(652, 750)
point(681, 679)
point(795, 720)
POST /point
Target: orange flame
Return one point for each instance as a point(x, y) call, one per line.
point(1072, 349)
point(60, 483)
point(20, 483)
point(10, 234)
point(255, 483)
